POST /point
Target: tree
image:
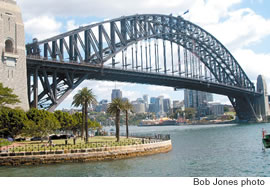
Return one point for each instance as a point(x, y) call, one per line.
point(190, 113)
point(84, 98)
point(7, 97)
point(65, 119)
point(226, 109)
point(78, 102)
point(78, 122)
point(94, 125)
point(12, 121)
point(40, 123)
point(127, 106)
point(115, 109)
point(43, 128)
point(37, 115)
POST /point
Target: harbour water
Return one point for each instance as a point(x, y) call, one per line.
point(233, 150)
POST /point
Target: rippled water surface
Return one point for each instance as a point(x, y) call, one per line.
point(209, 150)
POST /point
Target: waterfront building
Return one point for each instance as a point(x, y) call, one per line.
point(178, 105)
point(198, 100)
point(139, 108)
point(152, 108)
point(216, 109)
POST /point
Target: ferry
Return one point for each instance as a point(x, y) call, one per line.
point(159, 122)
point(266, 139)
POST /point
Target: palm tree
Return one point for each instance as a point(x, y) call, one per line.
point(77, 102)
point(127, 107)
point(115, 109)
point(84, 98)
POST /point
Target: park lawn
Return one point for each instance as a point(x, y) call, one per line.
point(4, 142)
point(230, 113)
point(94, 142)
point(78, 140)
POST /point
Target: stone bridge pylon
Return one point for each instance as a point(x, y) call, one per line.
point(13, 71)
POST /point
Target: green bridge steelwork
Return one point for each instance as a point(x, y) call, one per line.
point(148, 49)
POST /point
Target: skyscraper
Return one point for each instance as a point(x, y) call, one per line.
point(196, 99)
point(160, 104)
point(167, 105)
point(145, 98)
point(116, 93)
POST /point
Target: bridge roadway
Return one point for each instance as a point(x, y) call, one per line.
point(95, 72)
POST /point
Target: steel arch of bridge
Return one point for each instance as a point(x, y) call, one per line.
point(95, 44)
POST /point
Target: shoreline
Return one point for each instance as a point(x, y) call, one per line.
point(84, 155)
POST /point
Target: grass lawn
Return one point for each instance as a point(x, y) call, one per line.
point(4, 142)
point(79, 140)
point(94, 142)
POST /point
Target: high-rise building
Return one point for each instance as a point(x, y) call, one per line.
point(116, 93)
point(216, 109)
point(145, 98)
point(139, 107)
point(153, 100)
point(159, 104)
point(195, 99)
point(198, 100)
point(167, 105)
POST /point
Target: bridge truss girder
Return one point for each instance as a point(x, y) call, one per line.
point(96, 44)
point(58, 73)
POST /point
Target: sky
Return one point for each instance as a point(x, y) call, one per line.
point(243, 26)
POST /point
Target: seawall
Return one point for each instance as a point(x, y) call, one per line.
point(84, 155)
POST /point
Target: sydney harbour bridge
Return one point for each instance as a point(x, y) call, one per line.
point(147, 49)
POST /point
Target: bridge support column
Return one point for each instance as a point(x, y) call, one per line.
point(13, 73)
point(262, 103)
point(244, 108)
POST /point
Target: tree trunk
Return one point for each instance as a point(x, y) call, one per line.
point(83, 122)
point(86, 123)
point(127, 123)
point(117, 125)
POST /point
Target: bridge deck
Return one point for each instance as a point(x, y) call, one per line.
point(132, 76)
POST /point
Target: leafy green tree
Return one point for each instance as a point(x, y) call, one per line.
point(7, 97)
point(78, 122)
point(43, 128)
point(190, 113)
point(127, 106)
point(37, 115)
point(65, 119)
point(115, 109)
point(84, 98)
point(11, 121)
point(40, 123)
point(178, 113)
point(94, 125)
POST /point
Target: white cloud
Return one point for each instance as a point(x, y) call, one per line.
point(159, 88)
point(211, 11)
point(71, 25)
point(42, 27)
point(104, 8)
point(242, 28)
point(254, 64)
